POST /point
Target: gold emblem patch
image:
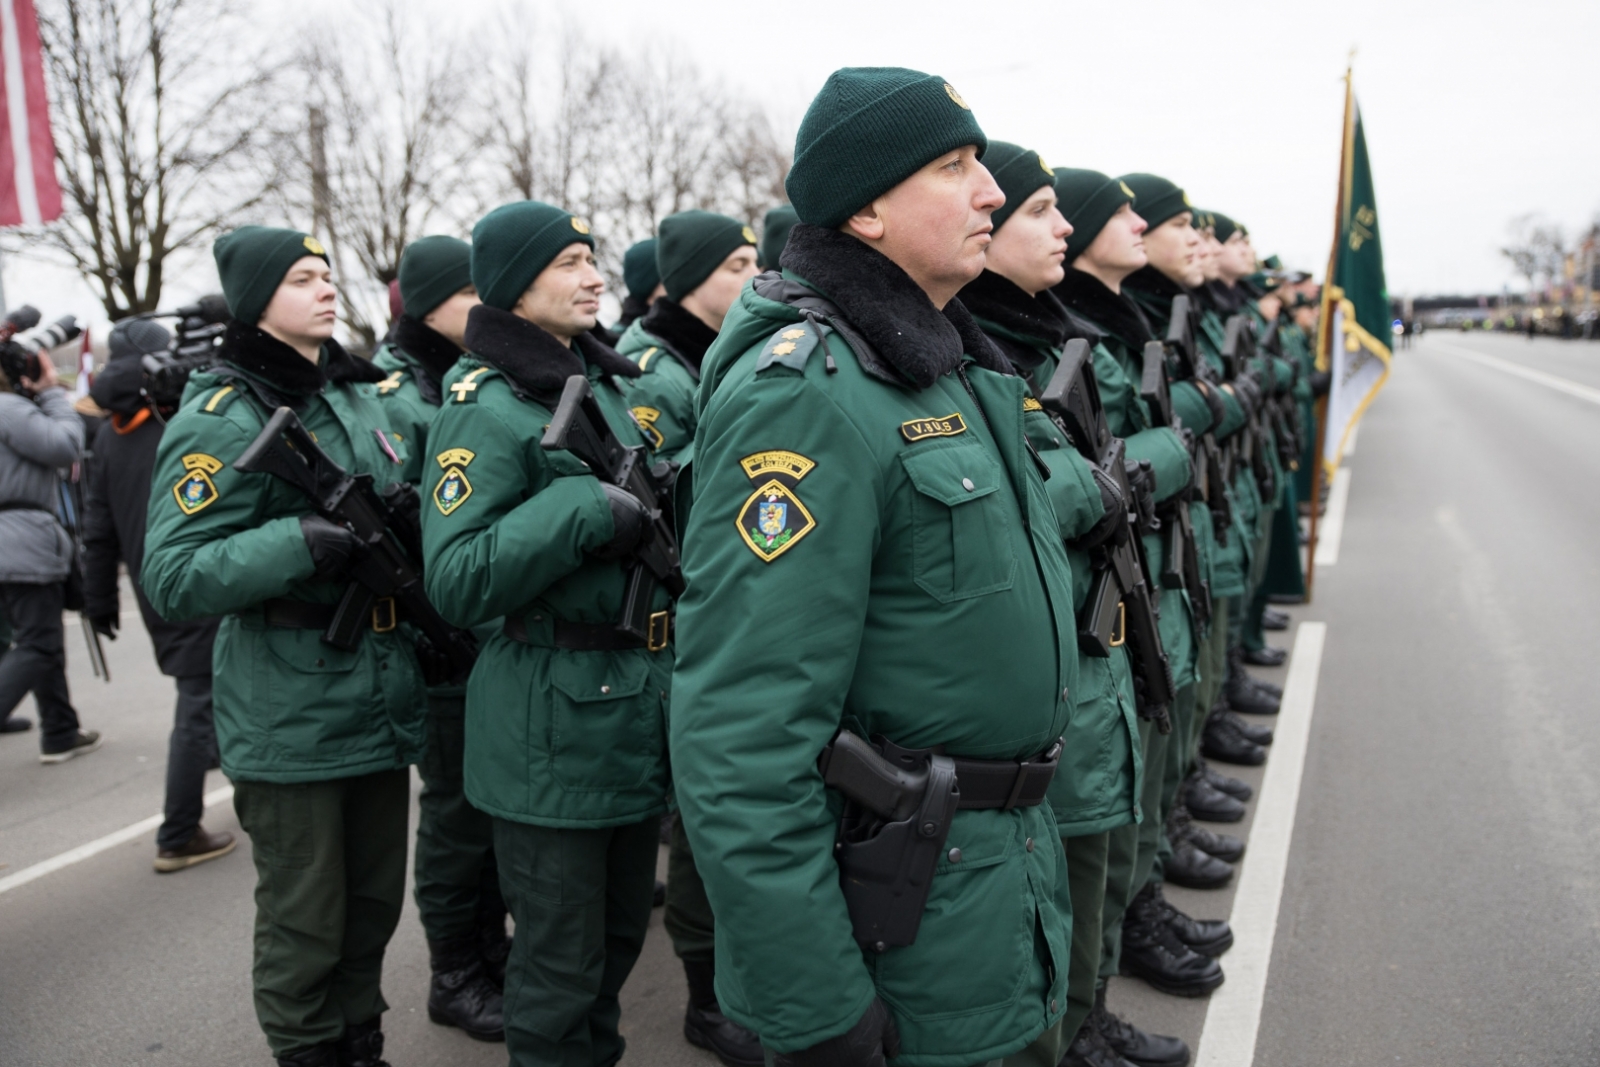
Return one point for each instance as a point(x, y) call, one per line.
point(772, 519)
point(1125, 190)
point(452, 490)
point(581, 225)
point(749, 235)
point(195, 491)
point(1046, 167)
point(1030, 404)
point(950, 91)
point(646, 418)
point(392, 382)
point(918, 429)
point(314, 246)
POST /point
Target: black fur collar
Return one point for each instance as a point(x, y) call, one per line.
point(536, 363)
point(286, 372)
point(1223, 299)
point(1153, 292)
point(633, 307)
point(1114, 313)
point(1022, 326)
point(911, 342)
point(436, 352)
point(686, 336)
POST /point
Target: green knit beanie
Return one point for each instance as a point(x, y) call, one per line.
point(252, 261)
point(692, 244)
point(775, 234)
point(1019, 172)
point(1226, 227)
point(1088, 199)
point(1200, 219)
point(639, 272)
point(433, 270)
point(868, 130)
point(1157, 199)
point(514, 242)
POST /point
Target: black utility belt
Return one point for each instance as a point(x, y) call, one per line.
point(984, 784)
point(303, 615)
point(588, 636)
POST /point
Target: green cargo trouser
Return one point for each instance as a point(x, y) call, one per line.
point(1131, 849)
point(687, 915)
point(581, 903)
point(1086, 881)
point(330, 879)
point(1213, 656)
point(1241, 613)
point(454, 874)
point(1174, 769)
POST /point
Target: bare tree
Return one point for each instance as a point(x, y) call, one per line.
point(157, 125)
point(1537, 250)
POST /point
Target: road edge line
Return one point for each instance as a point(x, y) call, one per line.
point(99, 845)
point(1330, 531)
point(1233, 1017)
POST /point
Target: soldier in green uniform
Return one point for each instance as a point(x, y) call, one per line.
point(1097, 788)
point(775, 229)
point(643, 279)
point(454, 879)
point(566, 714)
point(872, 547)
point(315, 739)
point(1145, 936)
point(703, 259)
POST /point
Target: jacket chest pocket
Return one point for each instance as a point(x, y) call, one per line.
point(607, 723)
point(961, 535)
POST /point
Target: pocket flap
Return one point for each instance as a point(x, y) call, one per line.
point(952, 475)
point(587, 677)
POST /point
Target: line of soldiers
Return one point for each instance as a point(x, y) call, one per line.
point(943, 540)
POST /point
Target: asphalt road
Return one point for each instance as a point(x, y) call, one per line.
point(1441, 900)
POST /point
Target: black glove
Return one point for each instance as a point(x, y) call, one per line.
point(631, 519)
point(331, 545)
point(1113, 524)
point(869, 1043)
point(1142, 480)
point(1213, 399)
point(435, 664)
point(105, 625)
point(1320, 381)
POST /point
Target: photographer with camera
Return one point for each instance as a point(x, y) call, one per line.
point(39, 434)
point(122, 461)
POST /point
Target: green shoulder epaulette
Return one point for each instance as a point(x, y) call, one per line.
point(792, 346)
point(465, 391)
point(218, 401)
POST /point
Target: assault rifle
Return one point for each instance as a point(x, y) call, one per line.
point(580, 427)
point(1121, 607)
point(1183, 363)
point(1182, 567)
point(1238, 348)
point(386, 573)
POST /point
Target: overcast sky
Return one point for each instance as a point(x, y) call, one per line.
point(1476, 113)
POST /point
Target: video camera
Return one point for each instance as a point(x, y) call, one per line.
point(22, 340)
point(195, 344)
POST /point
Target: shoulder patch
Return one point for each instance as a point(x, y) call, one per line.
point(219, 400)
point(772, 519)
point(647, 355)
point(792, 346)
point(392, 382)
point(466, 389)
point(1030, 404)
point(918, 429)
point(646, 418)
point(196, 491)
point(455, 457)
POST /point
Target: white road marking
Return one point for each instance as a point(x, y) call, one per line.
point(1350, 442)
point(95, 847)
point(1233, 1018)
point(1549, 381)
point(1331, 529)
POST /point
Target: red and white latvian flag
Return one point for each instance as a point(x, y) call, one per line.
point(29, 193)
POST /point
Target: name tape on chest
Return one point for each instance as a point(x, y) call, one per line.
point(772, 519)
point(196, 491)
point(921, 429)
point(453, 487)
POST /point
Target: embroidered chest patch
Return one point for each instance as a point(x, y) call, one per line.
point(196, 491)
point(918, 429)
point(772, 519)
point(646, 418)
point(453, 488)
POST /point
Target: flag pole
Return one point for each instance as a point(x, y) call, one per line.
point(1325, 324)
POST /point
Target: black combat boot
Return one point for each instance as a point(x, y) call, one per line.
point(1133, 1044)
point(361, 1046)
point(461, 993)
point(1242, 692)
point(1182, 827)
point(1152, 951)
point(1232, 786)
point(1265, 656)
point(1208, 803)
point(1222, 740)
point(1209, 937)
point(1273, 619)
point(1089, 1049)
point(705, 1026)
point(1256, 735)
point(1188, 866)
point(315, 1056)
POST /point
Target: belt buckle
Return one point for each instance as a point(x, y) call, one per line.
point(660, 622)
point(385, 615)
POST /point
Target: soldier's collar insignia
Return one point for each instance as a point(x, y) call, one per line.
point(196, 491)
point(791, 346)
point(772, 519)
point(646, 418)
point(950, 91)
point(392, 382)
point(748, 234)
point(452, 490)
point(455, 457)
point(918, 429)
point(466, 386)
point(314, 246)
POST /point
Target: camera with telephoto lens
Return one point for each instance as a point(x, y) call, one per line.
point(21, 346)
point(195, 345)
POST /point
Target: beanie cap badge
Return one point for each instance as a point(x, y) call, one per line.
point(1126, 190)
point(314, 246)
point(749, 234)
point(1046, 168)
point(950, 91)
point(1186, 201)
point(581, 225)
